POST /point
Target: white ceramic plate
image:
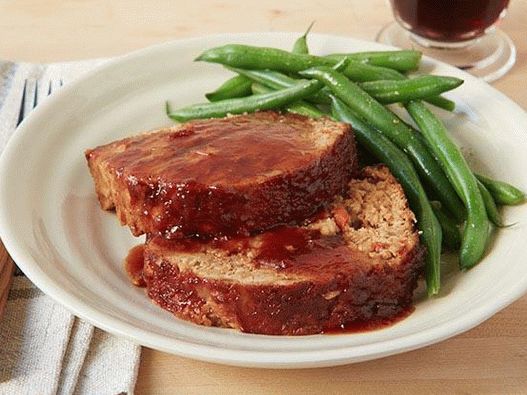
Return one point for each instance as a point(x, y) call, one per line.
point(52, 225)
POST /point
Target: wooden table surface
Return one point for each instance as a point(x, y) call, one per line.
point(491, 358)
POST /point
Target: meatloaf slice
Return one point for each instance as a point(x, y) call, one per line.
point(358, 261)
point(215, 177)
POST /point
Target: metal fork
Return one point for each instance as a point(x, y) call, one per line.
point(31, 96)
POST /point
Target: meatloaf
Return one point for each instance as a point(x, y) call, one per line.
point(357, 260)
point(229, 176)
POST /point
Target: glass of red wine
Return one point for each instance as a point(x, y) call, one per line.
point(460, 32)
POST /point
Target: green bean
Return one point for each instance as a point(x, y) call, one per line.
point(359, 75)
point(490, 205)
point(393, 128)
point(261, 58)
point(303, 108)
point(266, 101)
point(423, 87)
point(386, 90)
point(502, 192)
point(238, 86)
point(404, 60)
point(451, 233)
point(269, 78)
point(258, 88)
point(276, 80)
point(300, 45)
point(403, 170)
point(476, 230)
point(300, 107)
point(441, 102)
point(361, 72)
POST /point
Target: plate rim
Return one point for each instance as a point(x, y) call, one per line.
point(230, 356)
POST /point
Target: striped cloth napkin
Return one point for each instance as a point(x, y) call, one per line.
point(44, 349)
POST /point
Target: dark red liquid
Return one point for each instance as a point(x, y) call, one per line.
point(448, 20)
point(370, 325)
point(134, 264)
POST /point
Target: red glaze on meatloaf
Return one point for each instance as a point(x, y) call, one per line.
point(360, 261)
point(229, 176)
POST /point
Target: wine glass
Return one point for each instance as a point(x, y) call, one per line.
point(459, 32)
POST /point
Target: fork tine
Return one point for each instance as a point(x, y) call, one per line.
point(22, 111)
point(54, 85)
point(28, 103)
point(35, 95)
